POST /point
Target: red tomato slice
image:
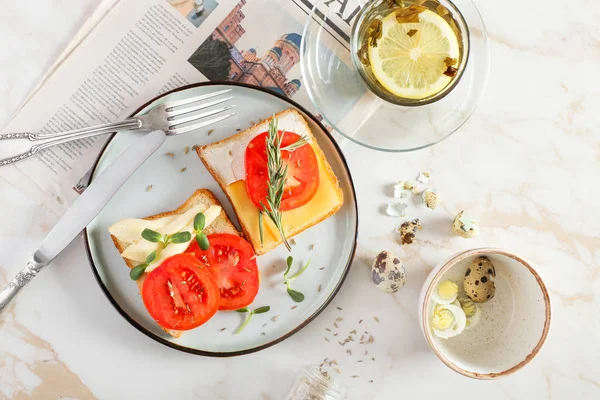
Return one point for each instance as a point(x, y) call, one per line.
point(232, 262)
point(181, 293)
point(302, 178)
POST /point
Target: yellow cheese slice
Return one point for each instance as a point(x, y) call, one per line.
point(325, 200)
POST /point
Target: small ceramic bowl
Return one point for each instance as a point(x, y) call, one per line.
point(513, 326)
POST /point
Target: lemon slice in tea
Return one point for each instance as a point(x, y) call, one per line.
point(410, 58)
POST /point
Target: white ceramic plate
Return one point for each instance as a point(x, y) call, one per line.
point(334, 239)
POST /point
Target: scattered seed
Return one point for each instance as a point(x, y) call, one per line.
point(339, 308)
point(366, 352)
point(335, 334)
point(274, 319)
point(171, 155)
point(327, 340)
point(292, 241)
point(354, 376)
point(186, 150)
point(222, 329)
point(360, 361)
point(349, 352)
point(376, 319)
point(339, 319)
point(321, 269)
point(338, 370)
point(335, 324)
point(353, 332)
point(195, 147)
point(238, 129)
point(230, 153)
point(371, 381)
point(183, 169)
point(263, 334)
point(373, 358)
point(211, 131)
point(294, 307)
point(328, 330)
point(264, 325)
point(360, 322)
point(148, 188)
point(312, 247)
point(319, 289)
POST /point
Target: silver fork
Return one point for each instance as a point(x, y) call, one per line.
point(173, 118)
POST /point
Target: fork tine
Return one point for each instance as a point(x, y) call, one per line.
point(196, 98)
point(197, 107)
point(179, 121)
point(178, 131)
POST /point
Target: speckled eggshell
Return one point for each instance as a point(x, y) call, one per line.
point(388, 273)
point(479, 280)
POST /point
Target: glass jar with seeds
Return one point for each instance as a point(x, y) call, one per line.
point(315, 383)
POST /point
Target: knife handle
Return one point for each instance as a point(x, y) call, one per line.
point(21, 280)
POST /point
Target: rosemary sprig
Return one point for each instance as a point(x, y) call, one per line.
point(294, 146)
point(277, 170)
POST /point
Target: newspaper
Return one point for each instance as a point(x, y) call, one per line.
point(133, 50)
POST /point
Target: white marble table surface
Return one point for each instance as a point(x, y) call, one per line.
point(527, 165)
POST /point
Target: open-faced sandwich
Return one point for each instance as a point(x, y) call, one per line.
point(192, 261)
point(273, 206)
point(181, 284)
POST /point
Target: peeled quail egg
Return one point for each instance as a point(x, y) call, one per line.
point(388, 273)
point(445, 293)
point(465, 226)
point(472, 312)
point(448, 320)
point(479, 280)
point(431, 199)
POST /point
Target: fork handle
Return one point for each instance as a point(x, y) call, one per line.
point(54, 139)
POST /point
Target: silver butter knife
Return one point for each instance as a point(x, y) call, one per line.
point(83, 210)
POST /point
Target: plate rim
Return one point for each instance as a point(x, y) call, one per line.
point(307, 321)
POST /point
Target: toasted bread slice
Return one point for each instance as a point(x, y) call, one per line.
point(220, 225)
point(225, 161)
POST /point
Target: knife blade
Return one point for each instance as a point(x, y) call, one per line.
point(83, 211)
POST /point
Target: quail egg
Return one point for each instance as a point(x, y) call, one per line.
point(445, 293)
point(388, 273)
point(472, 311)
point(465, 226)
point(479, 280)
point(431, 199)
point(448, 320)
